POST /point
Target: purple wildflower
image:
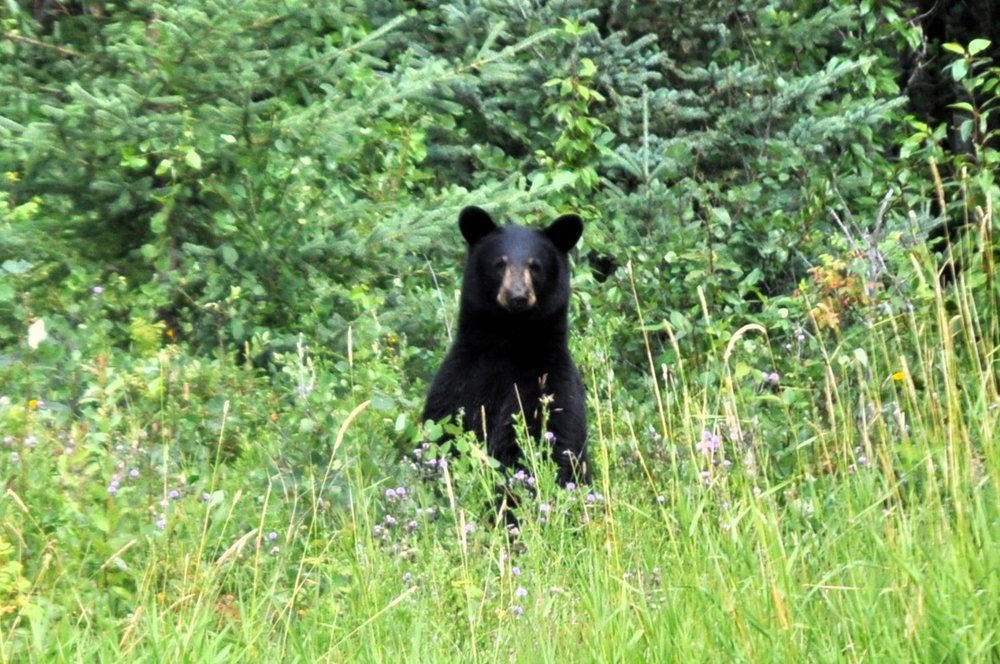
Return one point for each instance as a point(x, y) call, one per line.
point(709, 443)
point(272, 536)
point(550, 437)
point(570, 486)
point(97, 290)
point(134, 473)
point(520, 592)
point(517, 610)
point(174, 494)
point(515, 571)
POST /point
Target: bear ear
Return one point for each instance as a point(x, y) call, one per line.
point(475, 223)
point(565, 231)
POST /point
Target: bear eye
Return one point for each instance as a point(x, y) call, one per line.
point(500, 263)
point(534, 266)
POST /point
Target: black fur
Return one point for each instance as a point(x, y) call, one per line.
point(511, 353)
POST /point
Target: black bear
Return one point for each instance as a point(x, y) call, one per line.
point(511, 355)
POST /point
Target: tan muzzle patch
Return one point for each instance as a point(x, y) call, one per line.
point(517, 292)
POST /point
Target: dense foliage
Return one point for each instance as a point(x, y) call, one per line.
point(229, 263)
point(226, 159)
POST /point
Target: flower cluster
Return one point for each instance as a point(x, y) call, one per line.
point(397, 518)
point(30, 441)
point(522, 478)
point(397, 494)
point(165, 504)
point(710, 447)
point(127, 459)
point(427, 465)
point(709, 444)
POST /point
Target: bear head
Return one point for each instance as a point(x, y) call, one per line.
point(516, 270)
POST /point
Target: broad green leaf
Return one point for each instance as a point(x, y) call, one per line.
point(978, 45)
point(158, 223)
point(959, 69)
point(16, 266)
point(965, 130)
point(193, 159)
point(100, 521)
point(229, 255)
point(164, 166)
point(563, 178)
point(382, 403)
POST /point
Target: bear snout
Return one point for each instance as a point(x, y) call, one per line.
point(517, 292)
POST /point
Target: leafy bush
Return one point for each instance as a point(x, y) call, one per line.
point(314, 178)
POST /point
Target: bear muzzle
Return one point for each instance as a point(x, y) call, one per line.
point(517, 292)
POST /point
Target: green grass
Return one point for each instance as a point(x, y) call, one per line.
point(850, 514)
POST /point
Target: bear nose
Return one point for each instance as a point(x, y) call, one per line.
point(517, 302)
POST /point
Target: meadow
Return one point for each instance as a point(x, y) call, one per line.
point(134, 534)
